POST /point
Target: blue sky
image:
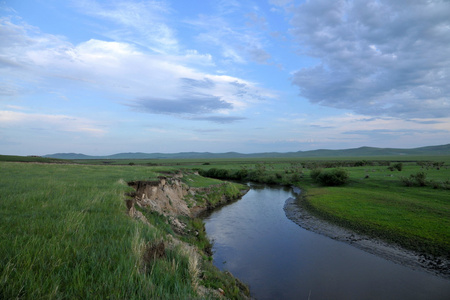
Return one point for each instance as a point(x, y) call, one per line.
point(103, 77)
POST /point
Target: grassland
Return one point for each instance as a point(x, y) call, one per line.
point(375, 201)
point(64, 233)
point(417, 218)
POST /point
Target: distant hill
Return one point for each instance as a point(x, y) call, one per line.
point(70, 156)
point(355, 152)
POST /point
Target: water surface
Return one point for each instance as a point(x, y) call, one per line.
point(256, 242)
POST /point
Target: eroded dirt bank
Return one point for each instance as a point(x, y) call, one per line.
point(170, 197)
point(296, 212)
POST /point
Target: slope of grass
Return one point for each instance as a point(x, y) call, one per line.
point(64, 233)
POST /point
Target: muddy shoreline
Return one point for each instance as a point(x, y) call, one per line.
point(295, 212)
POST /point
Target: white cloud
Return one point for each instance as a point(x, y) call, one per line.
point(47, 122)
point(355, 130)
point(239, 44)
point(16, 107)
point(141, 23)
point(139, 79)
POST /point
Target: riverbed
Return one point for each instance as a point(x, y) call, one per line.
point(278, 259)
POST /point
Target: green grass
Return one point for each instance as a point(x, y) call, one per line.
point(375, 201)
point(212, 191)
point(197, 181)
point(417, 218)
point(65, 233)
point(16, 158)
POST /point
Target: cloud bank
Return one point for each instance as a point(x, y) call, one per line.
point(377, 58)
point(61, 123)
point(149, 82)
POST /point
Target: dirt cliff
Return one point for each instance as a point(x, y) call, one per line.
point(170, 196)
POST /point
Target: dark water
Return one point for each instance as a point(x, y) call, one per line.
point(256, 242)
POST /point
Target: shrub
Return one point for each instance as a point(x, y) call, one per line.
point(216, 173)
point(241, 174)
point(222, 173)
point(315, 173)
point(438, 165)
point(415, 179)
point(271, 180)
point(407, 181)
point(330, 178)
point(398, 166)
point(435, 184)
point(296, 177)
point(420, 178)
point(360, 163)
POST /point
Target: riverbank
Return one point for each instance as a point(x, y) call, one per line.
point(65, 233)
point(297, 212)
point(256, 242)
point(69, 221)
point(175, 200)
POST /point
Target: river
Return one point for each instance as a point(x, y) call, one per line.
point(256, 242)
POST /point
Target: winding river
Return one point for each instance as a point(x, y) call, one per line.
point(256, 242)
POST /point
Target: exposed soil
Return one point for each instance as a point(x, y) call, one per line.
point(170, 197)
point(296, 212)
point(154, 251)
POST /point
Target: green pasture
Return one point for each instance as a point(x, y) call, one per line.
point(16, 158)
point(377, 203)
point(65, 234)
point(236, 162)
point(64, 231)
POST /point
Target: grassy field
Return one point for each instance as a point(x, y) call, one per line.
point(11, 158)
point(416, 217)
point(375, 201)
point(64, 233)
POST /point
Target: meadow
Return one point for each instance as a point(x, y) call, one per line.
point(409, 207)
point(376, 202)
point(65, 233)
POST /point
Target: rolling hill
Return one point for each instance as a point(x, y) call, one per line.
point(354, 152)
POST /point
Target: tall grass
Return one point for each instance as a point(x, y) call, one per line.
point(64, 233)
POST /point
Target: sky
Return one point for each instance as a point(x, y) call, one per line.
point(105, 77)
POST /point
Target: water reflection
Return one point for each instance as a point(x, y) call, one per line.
point(255, 241)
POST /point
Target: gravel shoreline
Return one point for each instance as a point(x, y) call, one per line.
point(296, 213)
